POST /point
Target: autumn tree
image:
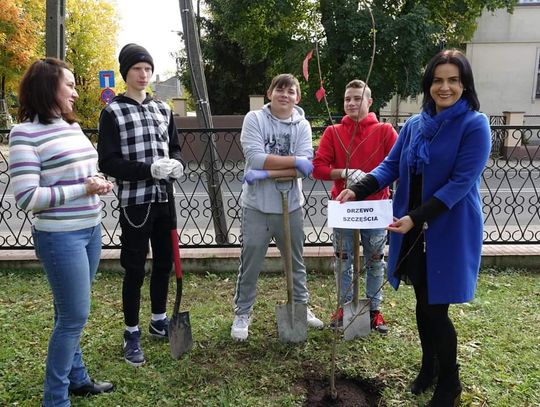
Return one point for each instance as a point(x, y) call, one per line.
point(89, 48)
point(20, 31)
point(91, 31)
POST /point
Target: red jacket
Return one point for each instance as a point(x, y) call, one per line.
point(372, 143)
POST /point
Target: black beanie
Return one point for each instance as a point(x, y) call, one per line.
point(132, 54)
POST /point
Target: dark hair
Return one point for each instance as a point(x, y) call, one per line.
point(285, 80)
point(455, 57)
point(38, 90)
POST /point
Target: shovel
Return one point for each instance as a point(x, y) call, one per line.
point(356, 319)
point(180, 339)
point(291, 318)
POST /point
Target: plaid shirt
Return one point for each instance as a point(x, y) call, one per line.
point(132, 137)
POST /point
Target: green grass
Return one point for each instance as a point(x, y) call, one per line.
point(497, 335)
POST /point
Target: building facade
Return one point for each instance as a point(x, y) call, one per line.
point(505, 56)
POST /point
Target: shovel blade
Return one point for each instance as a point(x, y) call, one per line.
point(180, 339)
point(292, 325)
point(356, 320)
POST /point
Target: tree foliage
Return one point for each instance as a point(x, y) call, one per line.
point(402, 42)
point(407, 33)
point(20, 29)
point(89, 50)
point(245, 43)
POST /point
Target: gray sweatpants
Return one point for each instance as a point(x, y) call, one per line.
point(258, 229)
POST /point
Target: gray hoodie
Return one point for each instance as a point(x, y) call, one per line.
point(264, 134)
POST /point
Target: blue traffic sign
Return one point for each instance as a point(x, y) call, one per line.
point(107, 95)
point(106, 79)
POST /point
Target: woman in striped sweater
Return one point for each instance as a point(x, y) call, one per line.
point(53, 169)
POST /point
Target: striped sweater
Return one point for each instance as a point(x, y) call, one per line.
point(49, 165)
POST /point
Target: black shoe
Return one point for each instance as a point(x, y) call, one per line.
point(424, 380)
point(133, 353)
point(448, 390)
point(92, 388)
point(159, 329)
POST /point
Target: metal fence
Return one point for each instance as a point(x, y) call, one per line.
point(509, 190)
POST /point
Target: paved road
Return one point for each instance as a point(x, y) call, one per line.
point(510, 199)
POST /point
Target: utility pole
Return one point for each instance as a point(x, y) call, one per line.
point(55, 43)
point(204, 115)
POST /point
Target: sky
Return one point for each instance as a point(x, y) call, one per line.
point(152, 24)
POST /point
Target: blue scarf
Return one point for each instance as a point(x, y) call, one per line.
point(430, 122)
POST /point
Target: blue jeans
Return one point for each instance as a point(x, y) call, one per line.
point(373, 242)
point(70, 260)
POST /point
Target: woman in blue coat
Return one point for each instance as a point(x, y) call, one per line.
point(437, 232)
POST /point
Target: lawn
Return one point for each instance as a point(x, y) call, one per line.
point(498, 344)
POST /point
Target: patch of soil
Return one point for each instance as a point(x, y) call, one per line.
point(351, 392)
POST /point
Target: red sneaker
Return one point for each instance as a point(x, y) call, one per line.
point(337, 320)
point(378, 323)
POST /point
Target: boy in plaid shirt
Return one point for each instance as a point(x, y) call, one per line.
point(138, 145)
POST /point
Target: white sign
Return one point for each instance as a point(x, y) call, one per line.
point(360, 214)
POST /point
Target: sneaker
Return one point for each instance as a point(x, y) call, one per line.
point(313, 321)
point(337, 320)
point(239, 329)
point(133, 354)
point(378, 323)
point(159, 329)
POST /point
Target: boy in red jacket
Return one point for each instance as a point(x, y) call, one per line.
point(346, 152)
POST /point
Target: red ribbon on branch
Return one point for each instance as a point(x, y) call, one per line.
point(321, 93)
point(309, 55)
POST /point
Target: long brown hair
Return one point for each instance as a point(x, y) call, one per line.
point(38, 90)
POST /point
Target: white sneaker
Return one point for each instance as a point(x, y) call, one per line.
point(313, 321)
point(239, 329)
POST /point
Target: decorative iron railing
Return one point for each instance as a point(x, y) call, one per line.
point(510, 191)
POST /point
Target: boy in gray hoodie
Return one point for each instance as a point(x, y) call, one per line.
point(276, 142)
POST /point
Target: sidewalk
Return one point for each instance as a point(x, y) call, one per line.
point(215, 260)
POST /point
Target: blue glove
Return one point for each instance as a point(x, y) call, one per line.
point(304, 165)
point(255, 175)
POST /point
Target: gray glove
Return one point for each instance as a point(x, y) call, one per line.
point(161, 168)
point(177, 169)
point(353, 176)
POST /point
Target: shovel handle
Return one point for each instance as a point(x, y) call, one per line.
point(287, 246)
point(357, 265)
point(176, 254)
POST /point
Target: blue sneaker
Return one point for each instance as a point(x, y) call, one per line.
point(133, 353)
point(159, 329)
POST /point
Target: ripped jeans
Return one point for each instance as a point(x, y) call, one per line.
point(373, 242)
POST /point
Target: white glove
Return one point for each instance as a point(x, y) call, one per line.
point(161, 168)
point(353, 176)
point(177, 169)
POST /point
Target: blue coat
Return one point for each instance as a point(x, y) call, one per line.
point(458, 155)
